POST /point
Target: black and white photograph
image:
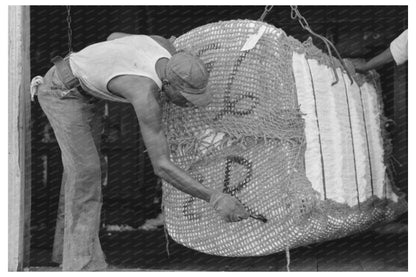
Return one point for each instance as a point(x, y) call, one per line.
point(207, 137)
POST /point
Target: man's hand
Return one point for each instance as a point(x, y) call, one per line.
point(360, 65)
point(228, 207)
point(355, 66)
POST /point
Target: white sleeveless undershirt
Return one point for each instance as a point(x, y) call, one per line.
point(98, 63)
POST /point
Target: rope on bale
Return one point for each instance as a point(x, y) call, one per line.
point(295, 14)
point(287, 258)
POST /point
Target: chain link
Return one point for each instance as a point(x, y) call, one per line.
point(266, 11)
point(69, 20)
point(295, 14)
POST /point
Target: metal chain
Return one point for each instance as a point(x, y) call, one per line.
point(266, 11)
point(295, 14)
point(69, 20)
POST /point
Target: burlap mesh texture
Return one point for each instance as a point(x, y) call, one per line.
point(250, 143)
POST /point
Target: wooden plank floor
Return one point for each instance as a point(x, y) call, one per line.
point(146, 251)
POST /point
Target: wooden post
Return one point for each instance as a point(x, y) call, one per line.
point(19, 137)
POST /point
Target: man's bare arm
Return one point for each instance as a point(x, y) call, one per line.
point(157, 148)
point(376, 62)
point(139, 92)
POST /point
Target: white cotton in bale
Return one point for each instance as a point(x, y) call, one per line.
point(344, 157)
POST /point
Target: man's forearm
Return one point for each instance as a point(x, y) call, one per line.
point(183, 181)
point(379, 60)
point(149, 116)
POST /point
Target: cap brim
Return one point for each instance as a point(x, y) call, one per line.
point(199, 100)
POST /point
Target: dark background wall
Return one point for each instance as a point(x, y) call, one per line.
point(131, 193)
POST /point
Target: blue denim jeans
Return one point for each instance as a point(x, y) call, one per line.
point(77, 125)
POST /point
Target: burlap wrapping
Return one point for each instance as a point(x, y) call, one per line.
point(250, 142)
